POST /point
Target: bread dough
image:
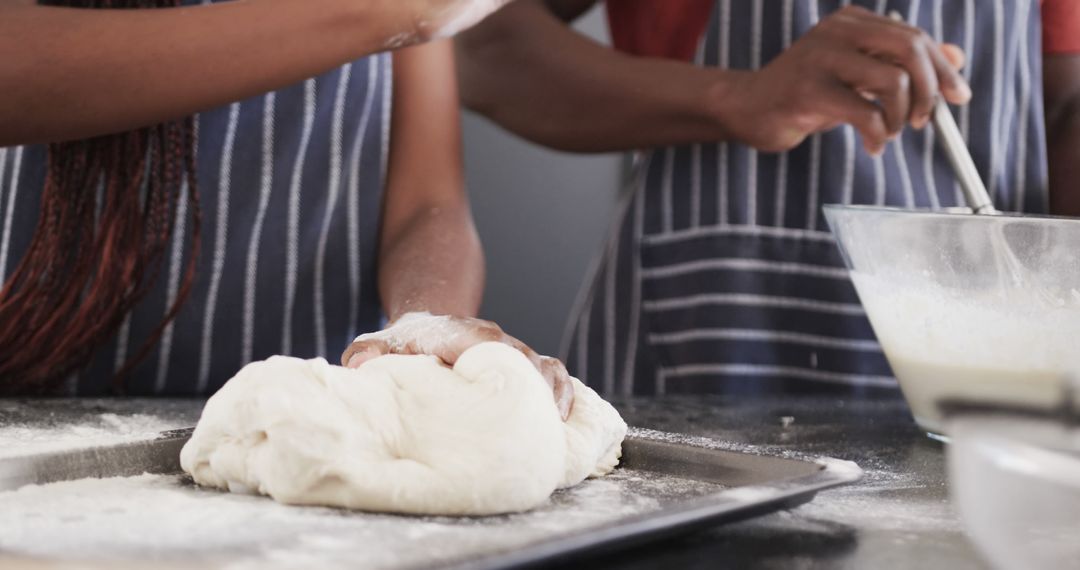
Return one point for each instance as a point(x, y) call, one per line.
point(402, 434)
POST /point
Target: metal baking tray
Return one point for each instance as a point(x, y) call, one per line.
point(666, 484)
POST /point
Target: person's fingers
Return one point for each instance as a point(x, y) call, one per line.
point(889, 84)
point(562, 388)
point(472, 334)
point(457, 335)
point(532, 355)
point(906, 47)
point(954, 88)
point(951, 84)
point(553, 372)
point(955, 54)
point(361, 351)
point(844, 105)
point(930, 71)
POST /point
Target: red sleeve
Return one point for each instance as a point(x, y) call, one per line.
point(659, 28)
point(1061, 26)
point(673, 29)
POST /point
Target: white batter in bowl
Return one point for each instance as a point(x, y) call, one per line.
point(980, 308)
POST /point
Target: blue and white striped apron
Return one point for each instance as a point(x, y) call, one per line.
point(721, 276)
point(291, 186)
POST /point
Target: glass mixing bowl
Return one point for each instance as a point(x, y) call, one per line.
point(980, 308)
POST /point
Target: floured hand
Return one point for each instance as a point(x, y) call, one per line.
point(446, 338)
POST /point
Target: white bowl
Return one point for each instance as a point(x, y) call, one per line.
point(1016, 484)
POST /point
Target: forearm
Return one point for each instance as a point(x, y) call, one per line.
point(1063, 142)
point(73, 73)
point(435, 265)
point(430, 255)
point(528, 71)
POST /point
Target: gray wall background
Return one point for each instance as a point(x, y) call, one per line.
point(542, 216)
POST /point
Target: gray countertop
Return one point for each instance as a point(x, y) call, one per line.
point(898, 516)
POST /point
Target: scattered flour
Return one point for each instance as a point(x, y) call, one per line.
point(879, 507)
point(165, 518)
point(103, 429)
point(751, 494)
point(876, 503)
point(840, 466)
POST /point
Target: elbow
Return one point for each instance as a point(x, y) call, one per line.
point(478, 62)
point(470, 79)
point(489, 55)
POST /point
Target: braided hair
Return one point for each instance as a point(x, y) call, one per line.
point(108, 211)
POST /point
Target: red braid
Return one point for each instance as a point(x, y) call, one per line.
point(89, 263)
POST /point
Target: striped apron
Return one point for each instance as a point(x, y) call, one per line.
point(290, 185)
point(721, 275)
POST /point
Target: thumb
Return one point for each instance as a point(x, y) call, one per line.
point(361, 351)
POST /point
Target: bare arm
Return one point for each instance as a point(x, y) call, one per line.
point(528, 71)
point(1061, 78)
point(72, 73)
point(430, 255)
point(430, 260)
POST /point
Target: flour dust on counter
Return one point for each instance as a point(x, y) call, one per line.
point(46, 426)
point(402, 434)
point(165, 518)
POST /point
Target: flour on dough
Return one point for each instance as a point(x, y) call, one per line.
point(402, 434)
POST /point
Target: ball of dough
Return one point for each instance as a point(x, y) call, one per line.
point(402, 434)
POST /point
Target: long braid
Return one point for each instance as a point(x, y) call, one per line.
point(90, 263)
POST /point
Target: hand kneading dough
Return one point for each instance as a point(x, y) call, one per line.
point(402, 434)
